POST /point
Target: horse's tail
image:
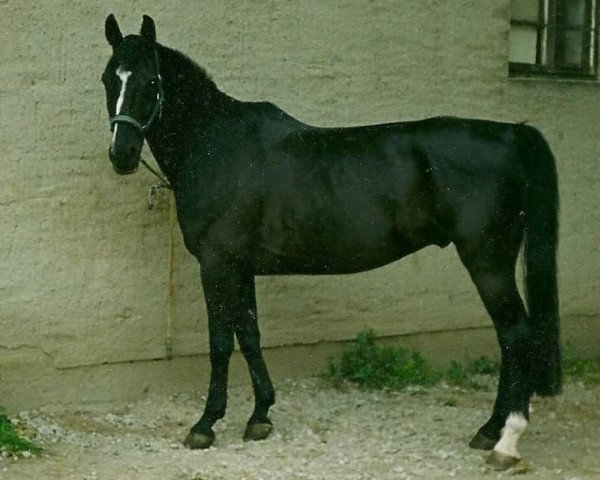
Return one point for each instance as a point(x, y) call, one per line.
point(541, 242)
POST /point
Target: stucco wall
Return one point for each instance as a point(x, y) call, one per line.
point(83, 294)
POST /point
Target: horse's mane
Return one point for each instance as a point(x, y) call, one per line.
point(190, 76)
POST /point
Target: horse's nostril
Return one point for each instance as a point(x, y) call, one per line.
point(124, 158)
point(123, 152)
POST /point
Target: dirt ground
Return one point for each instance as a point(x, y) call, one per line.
point(320, 433)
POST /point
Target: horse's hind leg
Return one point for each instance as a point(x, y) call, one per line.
point(493, 274)
point(248, 335)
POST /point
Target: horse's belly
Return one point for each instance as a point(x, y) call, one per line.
point(272, 261)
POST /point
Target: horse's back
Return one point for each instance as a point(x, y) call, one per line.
point(345, 199)
point(420, 169)
point(331, 200)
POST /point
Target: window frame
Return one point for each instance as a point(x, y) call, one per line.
point(548, 31)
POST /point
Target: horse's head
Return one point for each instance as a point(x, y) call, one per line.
point(134, 93)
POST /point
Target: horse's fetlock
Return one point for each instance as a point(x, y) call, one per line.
point(269, 398)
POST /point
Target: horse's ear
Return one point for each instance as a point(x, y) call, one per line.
point(112, 31)
point(148, 31)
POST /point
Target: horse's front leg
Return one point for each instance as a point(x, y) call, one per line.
point(222, 293)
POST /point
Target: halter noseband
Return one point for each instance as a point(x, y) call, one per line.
point(157, 111)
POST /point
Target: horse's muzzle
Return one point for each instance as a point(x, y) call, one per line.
point(124, 164)
point(124, 172)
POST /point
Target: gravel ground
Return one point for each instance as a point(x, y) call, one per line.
point(320, 433)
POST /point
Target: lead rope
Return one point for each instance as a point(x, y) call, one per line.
point(170, 283)
point(152, 193)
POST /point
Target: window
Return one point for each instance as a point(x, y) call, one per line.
point(554, 37)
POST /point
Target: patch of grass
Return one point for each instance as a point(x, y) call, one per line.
point(373, 367)
point(484, 366)
point(586, 371)
point(457, 375)
point(464, 377)
point(10, 440)
point(574, 370)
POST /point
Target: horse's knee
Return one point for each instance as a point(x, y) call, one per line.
point(220, 353)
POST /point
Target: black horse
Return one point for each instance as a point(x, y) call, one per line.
point(261, 193)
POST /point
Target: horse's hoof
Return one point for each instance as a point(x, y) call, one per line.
point(257, 431)
point(482, 442)
point(197, 441)
point(500, 461)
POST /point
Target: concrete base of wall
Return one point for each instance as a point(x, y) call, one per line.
point(25, 387)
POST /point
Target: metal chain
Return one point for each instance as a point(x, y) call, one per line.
point(153, 190)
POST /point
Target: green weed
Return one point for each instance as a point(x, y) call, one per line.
point(466, 377)
point(484, 366)
point(10, 440)
point(373, 367)
point(586, 371)
point(574, 370)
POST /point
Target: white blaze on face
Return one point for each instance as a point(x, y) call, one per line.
point(513, 429)
point(124, 76)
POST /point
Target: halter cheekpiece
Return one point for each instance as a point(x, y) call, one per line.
point(157, 111)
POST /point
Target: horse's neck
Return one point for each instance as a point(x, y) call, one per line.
point(189, 106)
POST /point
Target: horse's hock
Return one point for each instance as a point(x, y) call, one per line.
point(84, 296)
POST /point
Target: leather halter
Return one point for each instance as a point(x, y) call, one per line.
point(158, 106)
